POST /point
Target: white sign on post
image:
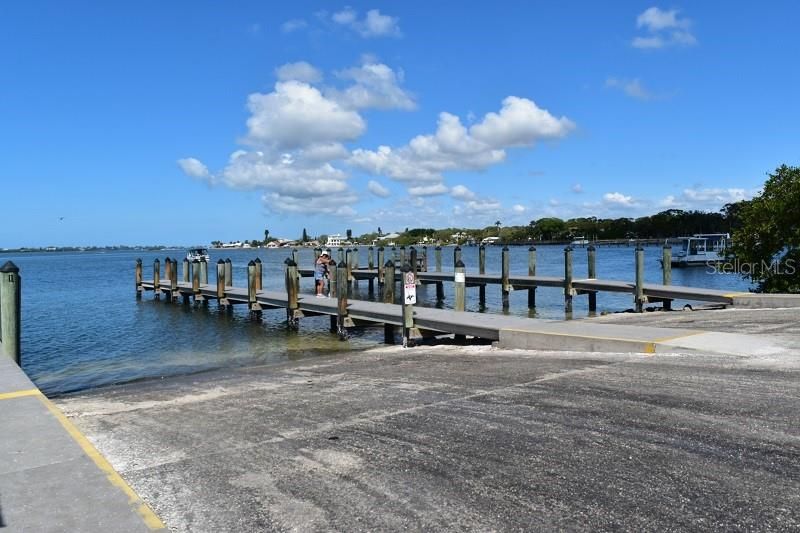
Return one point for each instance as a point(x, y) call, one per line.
point(460, 277)
point(409, 289)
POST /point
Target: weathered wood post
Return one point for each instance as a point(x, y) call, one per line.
point(460, 286)
point(196, 281)
point(157, 279)
point(666, 271)
point(424, 258)
point(204, 272)
point(349, 262)
point(187, 274)
point(456, 255)
point(295, 256)
point(167, 268)
point(388, 297)
point(252, 289)
point(437, 259)
point(639, 288)
point(591, 269)
point(402, 256)
point(138, 277)
point(371, 266)
point(532, 273)
point(388, 282)
point(568, 290)
point(339, 255)
point(228, 272)
point(482, 270)
point(173, 281)
point(293, 313)
point(409, 282)
point(413, 261)
point(506, 285)
point(341, 308)
point(221, 283)
point(460, 289)
point(380, 267)
point(259, 277)
point(10, 311)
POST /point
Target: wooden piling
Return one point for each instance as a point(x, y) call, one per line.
point(252, 288)
point(409, 286)
point(173, 281)
point(167, 268)
point(437, 258)
point(295, 256)
point(568, 290)
point(339, 255)
point(532, 272)
point(10, 312)
point(292, 289)
point(482, 270)
point(348, 260)
point(395, 256)
point(259, 277)
point(204, 272)
point(456, 255)
point(371, 266)
point(187, 274)
point(505, 284)
point(138, 278)
point(639, 282)
point(424, 258)
point(413, 261)
point(157, 278)
point(460, 286)
point(341, 296)
point(196, 279)
point(591, 269)
point(220, 281)
point(402, 255)
point(380, 267)
point(228, 272)
point(388, 282)
point(666, 271)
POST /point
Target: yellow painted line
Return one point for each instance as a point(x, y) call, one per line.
point(735, 294)
point(150, 519)
point(19, 394)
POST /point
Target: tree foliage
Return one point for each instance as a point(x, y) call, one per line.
point(766, 240)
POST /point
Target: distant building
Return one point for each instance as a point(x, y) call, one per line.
point(334, 241)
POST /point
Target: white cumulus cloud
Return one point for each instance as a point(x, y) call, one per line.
point(377, 189)
point(299, 71)
point(662, 29)
point(297, 114)
point(428, 190)
point(194, 168)
point(455, 147)
point(376, 86)
point(374, 24)
point(618, 199)
point(460, 192)
point(517, 208)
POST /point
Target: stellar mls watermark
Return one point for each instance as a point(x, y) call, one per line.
point(735, 266)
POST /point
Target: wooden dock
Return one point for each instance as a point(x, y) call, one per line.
point(417, 322)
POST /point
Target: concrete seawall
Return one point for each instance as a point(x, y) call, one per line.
point(51, 477)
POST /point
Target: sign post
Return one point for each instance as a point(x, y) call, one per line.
point(409, 299)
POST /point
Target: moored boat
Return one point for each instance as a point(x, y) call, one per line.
point(701, 249)
point(198, 254)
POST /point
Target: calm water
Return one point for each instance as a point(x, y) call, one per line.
point(83, 327)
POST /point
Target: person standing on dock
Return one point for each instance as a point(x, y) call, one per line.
point(321, 272)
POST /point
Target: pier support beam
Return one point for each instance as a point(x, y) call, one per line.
point(456, 254)
point(138, 278)
point(221, 283)
point(259, 277)
point(505, 285)
point(187, 275)
point(591, 258)
point(460, 289)
point(204, 272)
point(532, 272)
point(342, 320)
point(10, 311)
point(293, 313)
point(568, 290)
point(437, 258)
point(228, 272)
point(424, 258)
point(482, 270)
point(157, 279)
point(371, 266)
point(388, 284)
point(666, 271)
point(639, 298)
point(252, 290)
point(173, 281)
point(196, 281)
point(380, 268)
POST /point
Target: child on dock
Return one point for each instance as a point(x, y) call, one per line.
point(321, 272)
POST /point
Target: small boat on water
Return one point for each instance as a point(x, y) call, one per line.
point(580, 241)
point(198, 254)
point(701, 249)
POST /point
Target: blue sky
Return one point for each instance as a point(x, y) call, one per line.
point(186, 122)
